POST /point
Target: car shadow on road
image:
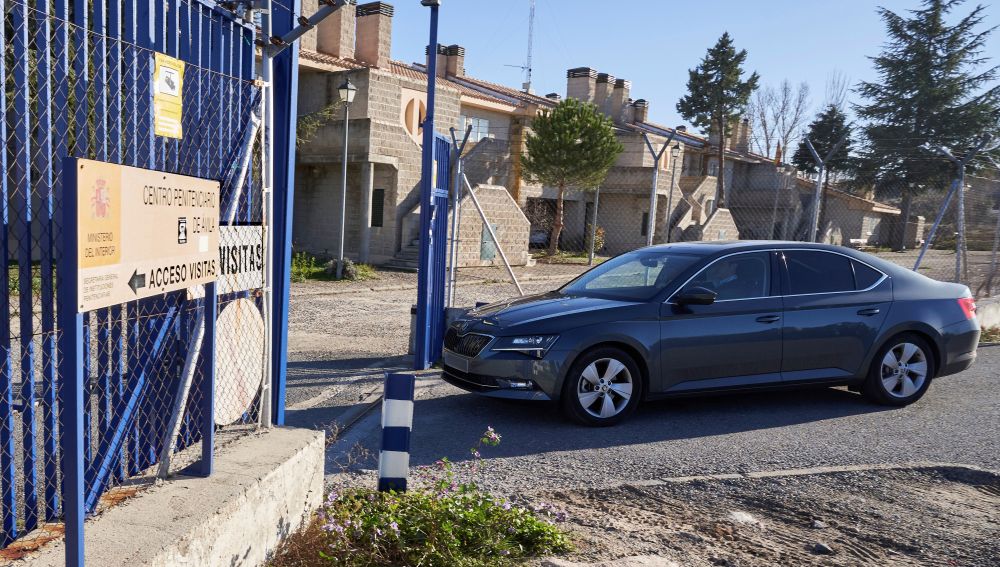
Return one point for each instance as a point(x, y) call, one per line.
point(442, 423)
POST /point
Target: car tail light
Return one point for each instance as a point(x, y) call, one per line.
point(968, 306)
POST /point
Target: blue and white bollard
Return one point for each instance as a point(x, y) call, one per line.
point(397, 421)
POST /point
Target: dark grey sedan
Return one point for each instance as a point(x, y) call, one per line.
point(694, 318)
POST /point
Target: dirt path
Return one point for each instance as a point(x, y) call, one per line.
point(948, 516)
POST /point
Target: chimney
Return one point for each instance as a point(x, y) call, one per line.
point(619, 103)
point(335, 34)
point(640, 110)
point(374, 32)
point(581, 84)
point(554, 97)
point(602, 95)
point(455, 65)
point(442, 59)
point(742, 141)
point(682, 128)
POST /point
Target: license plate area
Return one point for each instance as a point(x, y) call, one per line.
point(457, 362)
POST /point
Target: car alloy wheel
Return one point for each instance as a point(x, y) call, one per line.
point(604, 388)
point(904, 370)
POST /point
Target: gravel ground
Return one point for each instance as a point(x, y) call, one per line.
point(343, 336)
point(610, 480)
point(850, 518)
point(956, 422)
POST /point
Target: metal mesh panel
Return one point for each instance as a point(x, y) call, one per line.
point(80, 85)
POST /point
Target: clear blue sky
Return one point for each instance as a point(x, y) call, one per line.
point(654, 42)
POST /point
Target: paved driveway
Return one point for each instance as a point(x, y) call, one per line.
point(958, 421)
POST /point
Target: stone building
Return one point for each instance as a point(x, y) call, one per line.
point(623, 206)
point(385, 136)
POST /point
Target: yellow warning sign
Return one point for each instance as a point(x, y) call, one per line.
point(168, 96)
point(142, 233)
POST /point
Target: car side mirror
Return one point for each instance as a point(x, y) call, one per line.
point(696, 296)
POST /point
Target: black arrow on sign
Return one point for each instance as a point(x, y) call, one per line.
point(136, 281)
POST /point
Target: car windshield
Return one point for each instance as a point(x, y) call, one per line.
point(636, 276)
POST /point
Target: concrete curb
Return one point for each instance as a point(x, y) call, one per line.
point(264, 487)
point(363, 422)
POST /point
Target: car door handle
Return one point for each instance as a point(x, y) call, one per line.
point(768, 319)
point(869, 312)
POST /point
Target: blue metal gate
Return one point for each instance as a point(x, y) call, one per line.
point(77, 82)
point(433, 257)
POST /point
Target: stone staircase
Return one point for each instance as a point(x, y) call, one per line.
point(407, 259)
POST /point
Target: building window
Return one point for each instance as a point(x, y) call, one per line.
point(644, 229)
point(378, 207)
point(713, 168)
point(480, 127)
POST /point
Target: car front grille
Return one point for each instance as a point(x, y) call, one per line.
point(469, 345)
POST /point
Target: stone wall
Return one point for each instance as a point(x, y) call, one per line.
point(510, 225)
point(377, 135)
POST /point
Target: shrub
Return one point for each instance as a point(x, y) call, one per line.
point(598, 238)
point(441, 522)
point(304, 266)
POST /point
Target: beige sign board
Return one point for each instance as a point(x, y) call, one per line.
point(142, 233)
point(168, 96)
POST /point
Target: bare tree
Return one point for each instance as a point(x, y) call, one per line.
point(777, 116)
point(838, 86)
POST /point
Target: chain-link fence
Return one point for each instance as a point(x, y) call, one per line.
point(763, 199)
point(79, 83)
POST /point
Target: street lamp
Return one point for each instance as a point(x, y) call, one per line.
point(675, 152)
point(346, 92)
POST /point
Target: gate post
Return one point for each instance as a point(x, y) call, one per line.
point(71, 372)
point(284, 90)
point(422, 347)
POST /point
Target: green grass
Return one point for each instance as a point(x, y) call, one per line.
point(563, 257)
point(306, 267)
point(14, 287)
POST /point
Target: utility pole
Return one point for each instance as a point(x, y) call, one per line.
point(651, 221)
point(818, 196)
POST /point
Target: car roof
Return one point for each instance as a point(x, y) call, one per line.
point(711, 247)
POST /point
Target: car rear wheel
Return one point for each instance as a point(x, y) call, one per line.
point(603, 387)
point(901, 371)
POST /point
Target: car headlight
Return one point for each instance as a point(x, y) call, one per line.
point(531, 345)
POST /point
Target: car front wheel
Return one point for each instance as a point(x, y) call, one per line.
point(901, 371)
point(603, 387)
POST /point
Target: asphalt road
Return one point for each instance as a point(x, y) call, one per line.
point(958, 421)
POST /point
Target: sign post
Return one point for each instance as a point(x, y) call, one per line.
point(128, 234)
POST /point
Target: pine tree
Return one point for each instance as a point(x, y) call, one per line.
point(717, 95)
point(572, 145)
point(934, 88)
point(824, 132)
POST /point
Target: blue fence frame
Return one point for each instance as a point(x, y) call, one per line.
point(89, 394)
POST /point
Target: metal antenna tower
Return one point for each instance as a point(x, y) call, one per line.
point(531, 39)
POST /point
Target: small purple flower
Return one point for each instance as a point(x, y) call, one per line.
point(505, 552)
point(506, 505)
point(394, 526)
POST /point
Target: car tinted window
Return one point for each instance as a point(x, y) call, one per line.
point(639, 275)
point(740, 276)
point(865, 276)
point(811, 271)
